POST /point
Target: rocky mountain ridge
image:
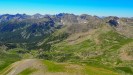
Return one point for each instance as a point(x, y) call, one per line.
point(103, 42)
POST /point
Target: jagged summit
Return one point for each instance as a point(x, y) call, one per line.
point(36, 26)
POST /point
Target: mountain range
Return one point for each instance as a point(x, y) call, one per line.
point(104, 43)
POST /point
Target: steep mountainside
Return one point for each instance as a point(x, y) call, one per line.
point(99, 43)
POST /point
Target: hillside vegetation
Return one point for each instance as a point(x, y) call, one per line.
point(65, 44)
point(29, 67)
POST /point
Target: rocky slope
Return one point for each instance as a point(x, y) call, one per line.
point(80, 39)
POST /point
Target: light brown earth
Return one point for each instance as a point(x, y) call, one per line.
point(20, 66)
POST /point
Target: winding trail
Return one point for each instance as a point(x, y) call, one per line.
point(20, 66)
point(38, 67)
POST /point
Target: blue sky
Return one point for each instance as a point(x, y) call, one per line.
point(122, 8)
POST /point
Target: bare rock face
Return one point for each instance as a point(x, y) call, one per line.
point(114, 22)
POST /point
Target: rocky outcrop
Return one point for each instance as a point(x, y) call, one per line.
point(114, 21)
